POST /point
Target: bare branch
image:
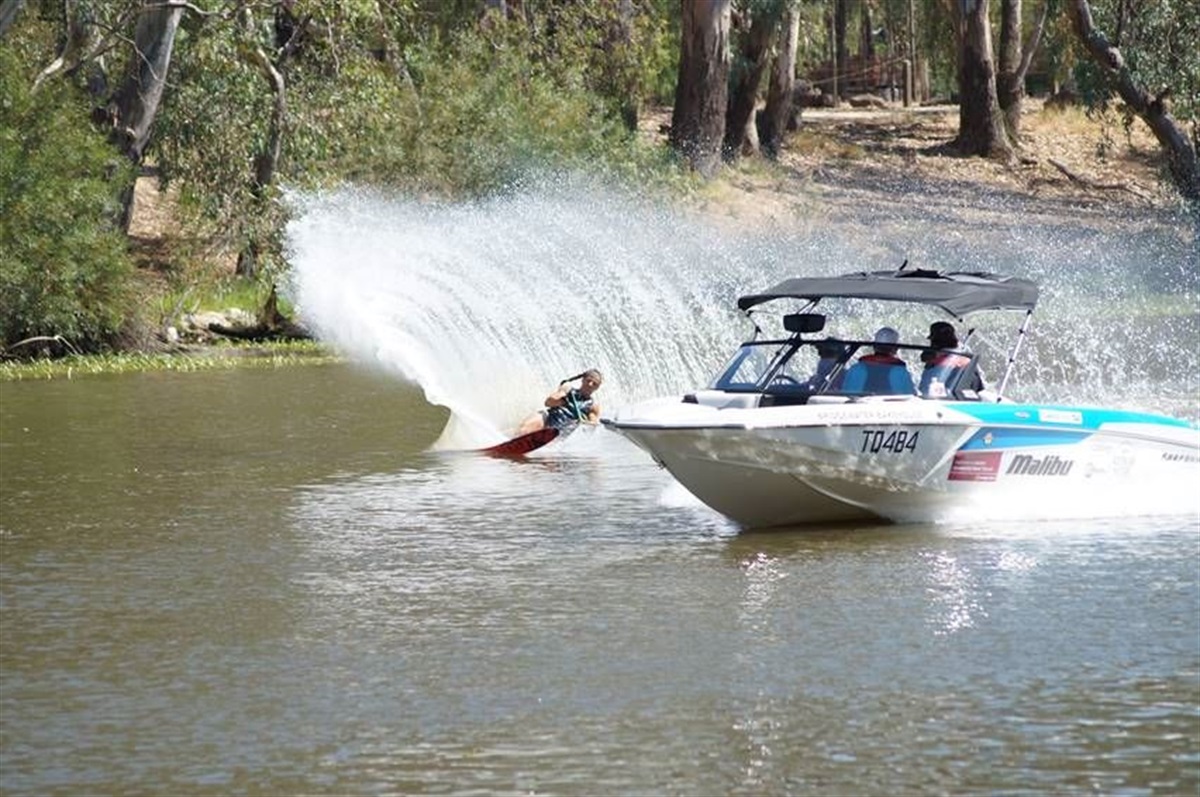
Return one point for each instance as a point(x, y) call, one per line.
point(1031, 46)
point(45, 339)
point(170, 4)
point(1132, 188)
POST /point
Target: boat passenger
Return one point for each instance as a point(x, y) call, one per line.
point(568, 406)
point(944, 361)
point(881, 372)
point(829, 351)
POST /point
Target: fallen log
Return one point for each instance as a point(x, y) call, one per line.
point(1096, 184)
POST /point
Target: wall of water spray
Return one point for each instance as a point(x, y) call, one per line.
point(487, 305)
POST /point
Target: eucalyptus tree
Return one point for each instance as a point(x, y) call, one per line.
point(755, 28)
point(841, 48)
point(132, 109)
point(1162, 53)
point(702, 91)
point(981, 128)
point(273, 91)
point(1015, 58)
point(89, 32)
point(773, 121)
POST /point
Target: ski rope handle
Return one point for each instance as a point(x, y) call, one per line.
point(569, 399)
point(574, 405)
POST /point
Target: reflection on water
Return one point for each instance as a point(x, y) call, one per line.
point(300, 598)
point(954, 599)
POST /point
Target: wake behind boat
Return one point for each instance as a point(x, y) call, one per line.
point(799, 429)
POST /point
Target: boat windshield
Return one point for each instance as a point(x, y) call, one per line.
point(773, 364)
point(807, 367)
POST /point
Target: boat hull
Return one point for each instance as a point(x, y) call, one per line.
point(909, 460)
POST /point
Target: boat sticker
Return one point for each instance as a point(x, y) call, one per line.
point(895, 441)
point(998, 415)
point(1023, 437)
point(1051, 465)
point(1061, 416)
point(975, 466)
point(893, 412)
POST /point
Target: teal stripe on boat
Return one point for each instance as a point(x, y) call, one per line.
point(1062, 417)
point(999, 438)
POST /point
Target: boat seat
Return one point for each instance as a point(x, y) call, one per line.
point(786, 399)
point(722, 399)
point(828, 399)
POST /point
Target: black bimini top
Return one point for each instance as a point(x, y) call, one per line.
point(956, 292)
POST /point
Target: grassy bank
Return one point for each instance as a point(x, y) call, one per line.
point(199, 358)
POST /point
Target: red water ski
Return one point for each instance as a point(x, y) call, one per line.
point(520, 446)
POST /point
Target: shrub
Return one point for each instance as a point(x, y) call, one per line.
point(64, 267)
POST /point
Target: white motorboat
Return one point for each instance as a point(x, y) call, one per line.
point(779, 439)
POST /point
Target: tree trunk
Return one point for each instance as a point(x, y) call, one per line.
point(289, 33)
point(620, 36)
point(9, 10)
point(80, 41)
point(1014, 62)
point(1009, 88)
point(8, 14)
point(1180, 151)
point(774, 119)
point(747, 77)
point(133, 108)
point(701, 93)
point(980, 123)
point(866, 43)
point(136, 101)
point(841, 51)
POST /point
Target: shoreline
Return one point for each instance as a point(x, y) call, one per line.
point(188, 357)
point(872, 170)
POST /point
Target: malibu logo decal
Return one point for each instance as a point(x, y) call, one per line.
point(1052, 465)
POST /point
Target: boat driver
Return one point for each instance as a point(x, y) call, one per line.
point(882, 371)
point(829, 351)
point(944, 361)
point(568, 406)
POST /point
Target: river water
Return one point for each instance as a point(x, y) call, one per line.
point(296, 581)
point(263, 582)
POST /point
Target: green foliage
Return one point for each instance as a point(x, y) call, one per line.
point(64, 268)
point(940, 48)
point(461, 116)
point(1159, 43)
point(427, 95)
point(813, 46)
point(642, 64)
point(213, 122)
point(622, 57)
point(483, 102)
point(219, 294)
point(491, 110)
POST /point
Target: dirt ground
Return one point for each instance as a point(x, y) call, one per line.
point(854, 163)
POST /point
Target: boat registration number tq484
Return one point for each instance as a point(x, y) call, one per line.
point(893, 441)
